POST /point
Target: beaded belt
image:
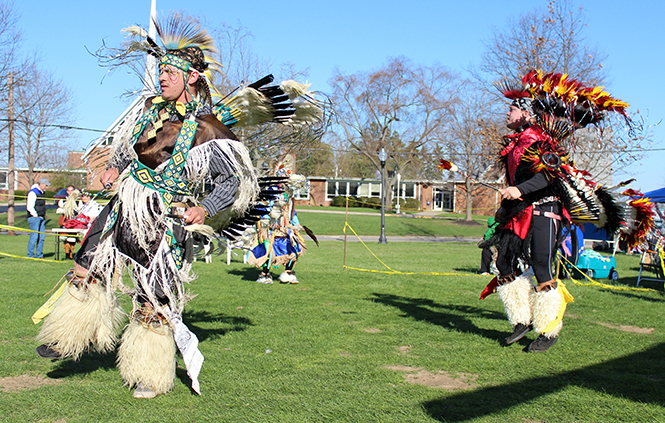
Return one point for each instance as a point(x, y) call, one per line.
point(550, 199)
point(547, 214)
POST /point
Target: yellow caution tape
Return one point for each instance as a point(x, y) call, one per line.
point(29, 258)
point(392, 271)
point(17, 229)
point(599, 284)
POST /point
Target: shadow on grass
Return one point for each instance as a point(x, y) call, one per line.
point(87, 363)
point(449, 316)
point(93, 361)
point(247, 274)
point(222, 324)
point(416, 230)
point(638, 296)
point(638, 377)
point(469, 269)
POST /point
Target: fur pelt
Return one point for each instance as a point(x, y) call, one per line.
point(287, 277)
point(516, 298)
point(82, 317)
point(147, 355)
point(546, 306)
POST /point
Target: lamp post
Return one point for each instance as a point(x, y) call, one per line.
point(382, 158)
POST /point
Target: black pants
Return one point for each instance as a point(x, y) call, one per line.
point(545, 233)
point(485, 260)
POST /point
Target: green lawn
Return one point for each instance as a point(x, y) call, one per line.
point(333, 224)
point(347, 346)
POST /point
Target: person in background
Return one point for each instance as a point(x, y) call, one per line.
point(279, 242)
point(488, 252)
point(68, 211)
point(61, 205)
point(36, 207)
point(90, 207)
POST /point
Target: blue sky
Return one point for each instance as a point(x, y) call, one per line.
point(352, 36)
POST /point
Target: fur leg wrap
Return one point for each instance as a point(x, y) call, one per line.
point(516, 298)
point(82, 316)
point(546, 306)
point(147, 355)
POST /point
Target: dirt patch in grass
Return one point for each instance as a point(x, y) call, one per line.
point(405, 349)
point(628, 328)
point(373, 330)
point(625, 328)
point(23, 382)
point(440, 380)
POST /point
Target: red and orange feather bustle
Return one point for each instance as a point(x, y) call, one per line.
point(447, 165)
point(640, 220)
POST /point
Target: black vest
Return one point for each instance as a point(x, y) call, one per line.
point(40, 202)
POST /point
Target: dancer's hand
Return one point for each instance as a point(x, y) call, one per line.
point(510, 193)
point(109, 176)
point(195, 215)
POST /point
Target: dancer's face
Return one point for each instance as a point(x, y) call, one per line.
point(515, 117)
point(172, 82)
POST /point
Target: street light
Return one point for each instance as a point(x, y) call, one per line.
point(382, 158)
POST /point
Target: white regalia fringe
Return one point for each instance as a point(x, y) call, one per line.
point(236, 156)
point(516, 298)
point(143, 210)
point(546, 306)
point(82, 317)
point(147, 355)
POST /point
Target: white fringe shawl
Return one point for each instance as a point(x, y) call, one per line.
point(235, 156)
point(143, 210)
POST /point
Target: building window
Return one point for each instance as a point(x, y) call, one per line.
point(332, 189)
point(301, 194)
point(342, 188)
point(448, 201)
point(354, 188)
point(3, 180)
point(362, 189)
point(409, 190)
point(375, 189)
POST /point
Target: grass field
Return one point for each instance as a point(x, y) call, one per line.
point(350, 346)
point(333, 224)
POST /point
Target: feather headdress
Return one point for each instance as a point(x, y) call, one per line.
point(559, 97)
point(181, 42)
point(561, 105)
point(181, 37)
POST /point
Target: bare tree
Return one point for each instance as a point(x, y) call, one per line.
point(398, 107)
point(10, 39)
point(471, 138)
point(316, 160)
point(43, 108)
point(240, 66)
point(552, 39)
